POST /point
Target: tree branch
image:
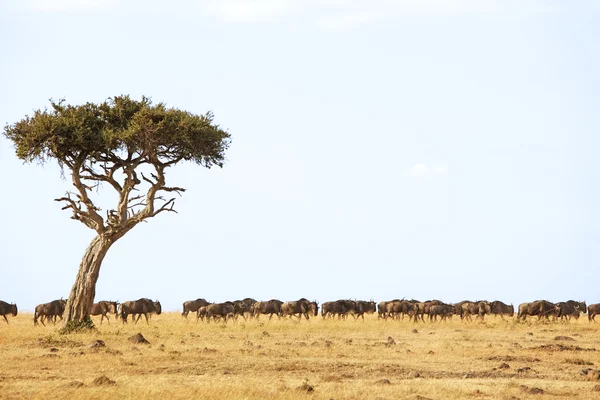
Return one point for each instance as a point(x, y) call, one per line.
point(91, 210)
point(168, 206)
point(78, 213)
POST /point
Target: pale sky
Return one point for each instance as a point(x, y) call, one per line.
point(380, 149)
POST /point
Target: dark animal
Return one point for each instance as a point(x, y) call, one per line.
point(571, 309)
point(539, 308)
point(424, 308)
point(365, 307)
point(468, 308)
point(339, 308)
point(201, 313)
point(139, 307)
point(193, 306)
point(271, 307)
point(103, 308)
point(242, 308)
point(49, 311)
point(381, 310)
point(220, 310)
point(499, 308)
point(442, 310)
point(6, 308)
point(593, 310)
point(300, 308)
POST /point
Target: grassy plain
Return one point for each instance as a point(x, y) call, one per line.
point(284, 359)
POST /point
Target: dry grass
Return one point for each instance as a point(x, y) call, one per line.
point(281, 359)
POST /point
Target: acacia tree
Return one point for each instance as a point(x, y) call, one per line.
point(123, 144)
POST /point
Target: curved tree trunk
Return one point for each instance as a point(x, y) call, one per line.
point(84, 290)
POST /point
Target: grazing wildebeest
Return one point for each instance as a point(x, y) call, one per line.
point(381, 310)
point(6, 308)
point(49, 311)
point(499, 308)
point(241, 308)
point(467, 308)
point(271, 307)
point(395, 308)
point(103, 308)
point(201, 313)
point(443, 310)
point(220, 310)
point(349, 307)
point(139, 307)
point(365, 307)
point(593, 310)
point(541, 308)
point(193, 306)
point(300, 308)
point(341, 308)
point(571, 309)
point(330, 309)
point(424, 308)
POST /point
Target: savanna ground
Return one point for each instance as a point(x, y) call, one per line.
point(318, 359)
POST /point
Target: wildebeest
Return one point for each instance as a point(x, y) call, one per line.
point(571, 309)
point(300, 308)
point(139, 307)
point(49, 311)
point(220, 310)
point(499, 308)
point(271, 307)
point(365, 307)
point(468, 308)
point(103, 308)
point(424, 308)
point(193, 306)
point(6, 308)
point(593, 310)
point(399, 308)
point(541, 308)
point(341, 308)
point(443, 310)
point(381, 310)
point(241, 308)
point(201, 313)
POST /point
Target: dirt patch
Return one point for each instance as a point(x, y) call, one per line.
point(578, 361)
point(96, 344)
point(508, 358)
point(75, 384)
point(305, 387)
point(565, 338)
point(104, 381)
point(138, 338)
point(533, 390)
point(560, 347)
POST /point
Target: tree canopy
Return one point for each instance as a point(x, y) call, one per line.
point(107, 142)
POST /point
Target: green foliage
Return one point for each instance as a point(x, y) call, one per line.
point(118, 129)
point(75, 326)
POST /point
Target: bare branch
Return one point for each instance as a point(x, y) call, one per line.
point(148, 180)
point(168, 206)
point(78, 214)
point(177, 190)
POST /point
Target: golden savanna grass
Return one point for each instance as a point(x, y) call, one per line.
point(283, 359)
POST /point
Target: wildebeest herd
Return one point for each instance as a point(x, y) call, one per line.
point(247, 308)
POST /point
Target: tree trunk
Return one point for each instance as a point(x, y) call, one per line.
point(84, 290)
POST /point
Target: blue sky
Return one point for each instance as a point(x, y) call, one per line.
point(381, 149)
